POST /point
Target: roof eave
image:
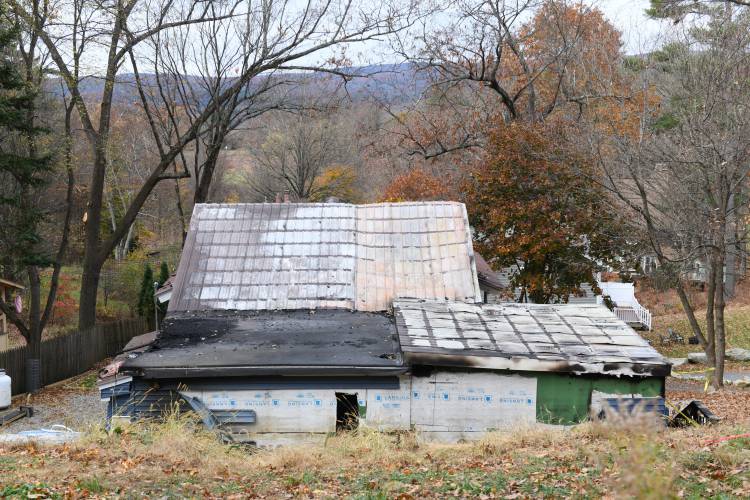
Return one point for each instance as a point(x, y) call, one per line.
point(491, 283)
point(524, 364)
point(11, 284)
point(246, 371)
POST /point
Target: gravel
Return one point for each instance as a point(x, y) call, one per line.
point(74, 403)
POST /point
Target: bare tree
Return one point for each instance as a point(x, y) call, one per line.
point(192, 66)
point(114, 34)
point(297, 151)
point(679, 9)
point(683, 172)
point(522, 59)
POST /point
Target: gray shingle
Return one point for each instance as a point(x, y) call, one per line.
point(579, 338)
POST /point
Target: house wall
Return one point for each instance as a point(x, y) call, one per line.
point(565, 399)
point(444, 406)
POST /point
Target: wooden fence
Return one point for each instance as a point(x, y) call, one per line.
point(72, 354)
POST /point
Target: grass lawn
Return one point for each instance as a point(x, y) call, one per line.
point(737, 320)
point(175, 459)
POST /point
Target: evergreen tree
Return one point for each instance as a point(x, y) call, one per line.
point(22, 169)
point(25, 168)
point(163, 273)
point(146, 296)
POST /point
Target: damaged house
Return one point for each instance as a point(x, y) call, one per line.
point(287, 322)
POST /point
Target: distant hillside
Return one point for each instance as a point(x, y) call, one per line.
point(391, 83)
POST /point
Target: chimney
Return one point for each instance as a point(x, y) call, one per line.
point(286, 196)
point(278, 197)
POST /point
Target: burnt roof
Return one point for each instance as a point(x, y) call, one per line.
point(578, 338)
point(487, 277)
point(238, 343)
point(288, 256)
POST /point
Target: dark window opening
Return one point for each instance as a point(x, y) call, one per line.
point(421, 371)
point(347, 412)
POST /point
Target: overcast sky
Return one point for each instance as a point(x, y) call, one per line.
point(639, 33)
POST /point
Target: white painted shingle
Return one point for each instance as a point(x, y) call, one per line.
point(303, 256)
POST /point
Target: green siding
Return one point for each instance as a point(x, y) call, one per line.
point(564, 399)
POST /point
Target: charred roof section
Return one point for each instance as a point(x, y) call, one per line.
point(282, 256)
point(525, 337)
point(225, 344)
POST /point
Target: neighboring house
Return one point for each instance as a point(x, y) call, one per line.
point(696, 273)
point(626, 305)
point(496, 288)
point(287, 322)
point(164, 292)
point(7, 287)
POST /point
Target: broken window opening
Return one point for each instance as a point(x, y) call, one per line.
point(347, 412)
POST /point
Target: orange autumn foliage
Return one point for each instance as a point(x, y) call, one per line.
point(418, 185)
point(338, 181)
point(586, 76)
point(532, 202)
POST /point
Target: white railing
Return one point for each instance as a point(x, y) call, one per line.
point(635, 314)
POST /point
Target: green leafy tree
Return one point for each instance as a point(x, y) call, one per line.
point(21, 169)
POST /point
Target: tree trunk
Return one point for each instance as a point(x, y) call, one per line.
point(688, 308)
point(203, 184)
point(709, 347)
point(720, 344)
point(91, 260)
point(731, 253)
point(180, 210)
point(34, 340)
point(89, 286)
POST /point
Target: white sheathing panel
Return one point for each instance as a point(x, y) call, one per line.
point(455, 402)
point(285, 411)
point(272, 256)
point(389, 409)
point(458, 405)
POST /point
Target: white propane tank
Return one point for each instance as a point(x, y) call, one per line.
point(4, 390)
